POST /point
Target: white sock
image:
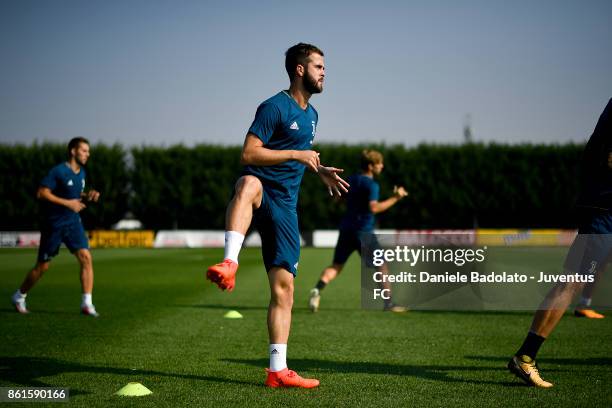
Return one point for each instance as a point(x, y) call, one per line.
point(233, 244)
point(278, 357)
point(86, 299)
point(19, 295)
point(584, 301)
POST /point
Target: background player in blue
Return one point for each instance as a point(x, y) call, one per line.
point(357, 224)
point(62, 193)
point(588, 255)
point(276, 151)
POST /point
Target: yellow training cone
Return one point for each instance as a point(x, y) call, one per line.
point(133, 389)
point(233, 314)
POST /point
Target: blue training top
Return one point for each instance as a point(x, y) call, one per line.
point(596, 168)
point(358, 216)
point(282, 124)
point(64, 183)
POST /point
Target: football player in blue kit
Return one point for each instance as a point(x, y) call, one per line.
point(588, 255)
point(357, 225)
point(277, 149)
point(62, 191)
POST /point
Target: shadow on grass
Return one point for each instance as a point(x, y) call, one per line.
point(477, 312)
point(12, 311)
point(28, 371)
point(305, 310)
point(298, 309)
point(443, 373)
point(592, 361)
point(225, 307)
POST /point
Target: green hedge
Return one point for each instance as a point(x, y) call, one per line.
point(472, 185)
point(23, 167)
point(184, 188)
point(483, 185)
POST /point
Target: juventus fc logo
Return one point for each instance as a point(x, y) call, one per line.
point(593, 267)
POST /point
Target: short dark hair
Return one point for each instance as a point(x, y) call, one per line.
point(75, 142)
point(298, 55)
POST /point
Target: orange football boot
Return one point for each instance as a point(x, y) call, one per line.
point(588, 313)
point(289, 378)
point(223, 274)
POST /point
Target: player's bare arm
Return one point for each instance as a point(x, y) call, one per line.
point(254, 153)
point(399, 192)
point(45, 193)
point(335, 184)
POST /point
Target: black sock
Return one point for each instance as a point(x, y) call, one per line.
point(531, 345)
point(321, 285)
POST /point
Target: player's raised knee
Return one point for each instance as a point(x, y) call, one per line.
point(248, 187)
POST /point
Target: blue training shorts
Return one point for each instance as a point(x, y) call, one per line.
point(280, 235)
point(592, 247)
point(349, 241)
point(51, 237)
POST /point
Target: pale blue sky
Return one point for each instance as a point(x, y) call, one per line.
point(165, 72)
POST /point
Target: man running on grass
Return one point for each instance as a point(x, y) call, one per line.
point(357, 225)
point(62, 192)
point(588, 254)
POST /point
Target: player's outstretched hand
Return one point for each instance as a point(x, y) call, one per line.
point(400, 192)
point(91, 195)
point(75, 205)
point(309, 158)
point(335, 184)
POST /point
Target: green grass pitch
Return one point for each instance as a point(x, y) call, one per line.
point(162, 325)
